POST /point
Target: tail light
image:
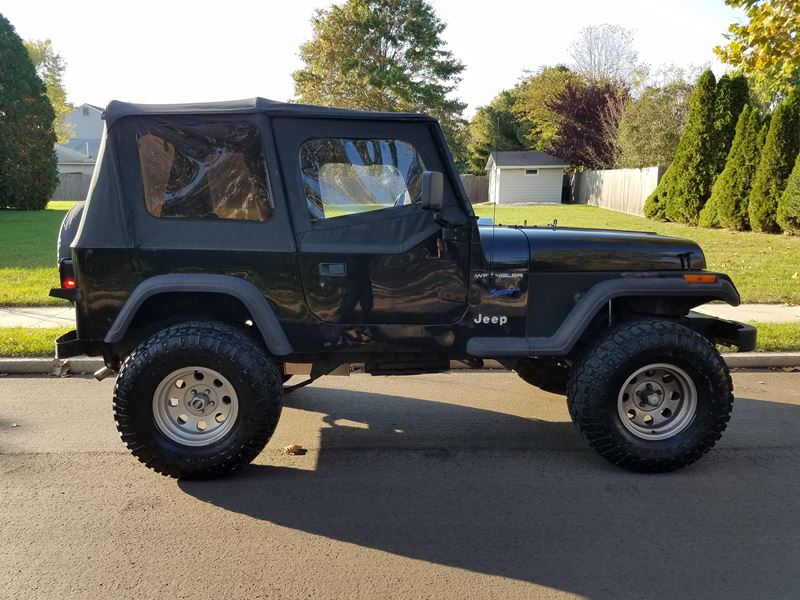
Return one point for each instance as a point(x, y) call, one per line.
point(67, 275)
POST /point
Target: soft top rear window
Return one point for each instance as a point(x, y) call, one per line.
point(208, 171)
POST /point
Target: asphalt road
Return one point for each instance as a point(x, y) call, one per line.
point(470, 485)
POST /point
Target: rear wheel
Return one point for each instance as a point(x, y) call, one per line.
point(197, 400)
point(651, 396)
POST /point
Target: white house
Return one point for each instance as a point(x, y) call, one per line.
point(525, 177)
point(78, 155)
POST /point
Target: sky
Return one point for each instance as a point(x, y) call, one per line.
point(180, 51)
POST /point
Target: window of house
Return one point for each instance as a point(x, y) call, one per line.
point(350, 176)
point(85, 112)
point(213, 171)
point(531, 171)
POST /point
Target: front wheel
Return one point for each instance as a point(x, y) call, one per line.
point(651, 396)
point(197, 400)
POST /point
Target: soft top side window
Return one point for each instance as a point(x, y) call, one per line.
point(343, 176)
point(208, 171)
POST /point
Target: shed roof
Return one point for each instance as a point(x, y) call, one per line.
point(116, 110)
point(524, 158)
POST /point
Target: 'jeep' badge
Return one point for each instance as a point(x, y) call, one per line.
point(501, 320)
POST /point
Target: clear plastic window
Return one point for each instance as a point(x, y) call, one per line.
point(350, 176)
point(214, 171)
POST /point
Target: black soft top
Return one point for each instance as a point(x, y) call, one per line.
point(117, 110)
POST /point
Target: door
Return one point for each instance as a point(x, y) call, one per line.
point(369, 252)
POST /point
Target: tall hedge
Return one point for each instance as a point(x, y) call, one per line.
point(789, 203)
point(777, 159)
point(727, 206)
point(685, 187)
point(732, 94)
point(28, 172)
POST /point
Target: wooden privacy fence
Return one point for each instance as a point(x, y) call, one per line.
point(477, 187)
point(622, 190)
point(72, 186)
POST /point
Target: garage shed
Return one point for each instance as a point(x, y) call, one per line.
point(525, 177)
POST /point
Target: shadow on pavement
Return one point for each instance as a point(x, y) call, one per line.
point(525, 499)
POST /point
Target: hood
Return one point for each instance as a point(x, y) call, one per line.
point(573, 249)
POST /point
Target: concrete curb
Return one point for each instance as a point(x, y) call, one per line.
point(84, 364)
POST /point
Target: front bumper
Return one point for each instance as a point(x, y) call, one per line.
point(722, 331)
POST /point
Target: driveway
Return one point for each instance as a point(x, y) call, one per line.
point(464, 485)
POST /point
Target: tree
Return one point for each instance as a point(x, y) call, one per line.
point(539, 125)
point(383, 55)
point(685, 187)
point(766, 46)
point(775, 165)
point(732, 95)
point(28, 173)
point(494, 127)
point(789, 203)
point(652, 124)
point(50, 68)
point(727, 206)
point(604, 53)
point(588, 115)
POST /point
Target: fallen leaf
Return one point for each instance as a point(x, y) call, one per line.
point(761, 382)
point(296, 449)
point(791, 369)
point(15, 424)
point(796, 275)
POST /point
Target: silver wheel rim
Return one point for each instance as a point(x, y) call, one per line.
point(195, 406)
point(657, 402)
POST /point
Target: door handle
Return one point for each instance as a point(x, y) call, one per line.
point(333, 269)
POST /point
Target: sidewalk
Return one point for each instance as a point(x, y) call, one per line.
point(41, 318)
point(37, 317)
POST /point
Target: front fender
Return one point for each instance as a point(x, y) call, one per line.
point(592, 302)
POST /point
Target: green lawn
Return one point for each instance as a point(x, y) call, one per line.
point(760, 264)
point(23, 342)
point(28, 255)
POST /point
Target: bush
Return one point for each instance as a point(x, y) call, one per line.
point(789, 203)
point(28, 173)
point(685, 187)
point(777, 159)
point(732, 95)
point(727, 206)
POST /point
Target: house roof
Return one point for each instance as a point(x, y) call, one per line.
point(67, 155)
point(117, 110)
point(523, 158)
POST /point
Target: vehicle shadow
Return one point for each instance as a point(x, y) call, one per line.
point(525, 499)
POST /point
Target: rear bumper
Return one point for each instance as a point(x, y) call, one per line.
point(68, 345)
point(64, 294)
point(727, 333)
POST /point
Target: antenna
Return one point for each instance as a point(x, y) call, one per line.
point(496, 199)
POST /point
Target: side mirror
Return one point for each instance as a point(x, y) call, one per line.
point(432, 191)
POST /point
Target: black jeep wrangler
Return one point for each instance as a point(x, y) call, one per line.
point(226, 246)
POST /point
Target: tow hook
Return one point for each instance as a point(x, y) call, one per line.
point(101, 374)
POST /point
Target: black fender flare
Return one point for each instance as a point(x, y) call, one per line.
point(263, 315)
point(585, 309)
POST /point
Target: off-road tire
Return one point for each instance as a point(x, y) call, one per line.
point(232, 353)
point(597, 378)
